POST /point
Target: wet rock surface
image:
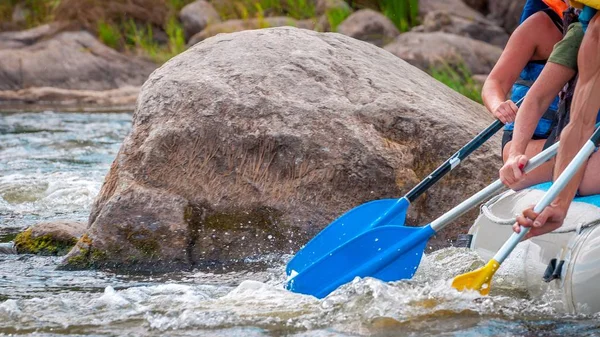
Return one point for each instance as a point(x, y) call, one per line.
point(49, 238)
point(250, 143)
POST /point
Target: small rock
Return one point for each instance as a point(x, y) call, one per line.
point(325, 5)
point(370, 26)
point(196, 16)
point(507, 13)
point(455, 7)
point(49, 238)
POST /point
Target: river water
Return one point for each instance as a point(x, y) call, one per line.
point(52, 166)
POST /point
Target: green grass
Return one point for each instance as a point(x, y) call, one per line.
point(177, 5)
point(335, 16)
point(246, 9)
point(37, 12)
point(299, 9)
point(110, 35)
point(403, 13)
point(176, 43)
point(459, 78)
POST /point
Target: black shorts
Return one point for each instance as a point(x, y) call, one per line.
point(508, 135)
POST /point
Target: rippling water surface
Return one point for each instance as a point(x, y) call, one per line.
point(52, 166)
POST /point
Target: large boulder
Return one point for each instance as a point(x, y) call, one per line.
point(370, 26)
point(427, 50)
point(69, 60)
point(196, 16)
point(250, 143)
point(476, 28)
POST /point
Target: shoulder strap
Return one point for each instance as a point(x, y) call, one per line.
point(558, 6)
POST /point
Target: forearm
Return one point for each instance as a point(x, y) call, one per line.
point(528, 117)
point(492, 94)
point(572, 139)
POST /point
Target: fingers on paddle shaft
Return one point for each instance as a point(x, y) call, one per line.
point(479, 280)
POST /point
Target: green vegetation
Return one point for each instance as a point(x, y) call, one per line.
point(35, 12)
point(335, 16)
point(245, 9)
point(140, 26)
point(403, 13)
point(459, 78)
point(109, 34)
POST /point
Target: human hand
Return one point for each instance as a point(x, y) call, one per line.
point(551, 218)
point(506, 111)
point(511, 172)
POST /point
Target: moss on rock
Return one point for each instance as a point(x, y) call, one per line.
point(26, 243)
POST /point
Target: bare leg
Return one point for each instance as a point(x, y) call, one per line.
point(590, 184)
point(541, 174)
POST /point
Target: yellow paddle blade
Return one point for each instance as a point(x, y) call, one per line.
point(479, 279)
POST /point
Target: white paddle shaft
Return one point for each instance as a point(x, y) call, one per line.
point(485, 193)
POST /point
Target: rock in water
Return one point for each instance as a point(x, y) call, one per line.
point(250, 143)
point(49, 238)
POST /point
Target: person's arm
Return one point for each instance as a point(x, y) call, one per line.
point(584, 110)
point(538, 100)
point(518, 51)
point(523, 46)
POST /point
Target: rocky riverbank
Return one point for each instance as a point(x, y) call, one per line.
point(81, 61)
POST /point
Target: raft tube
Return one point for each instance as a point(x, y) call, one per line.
point(574, 277)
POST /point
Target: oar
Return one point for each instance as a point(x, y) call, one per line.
point(380, 212)
point(481, 278)
point(389, 252)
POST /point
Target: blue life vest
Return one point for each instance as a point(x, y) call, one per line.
point(528, 75)
point(531, 7)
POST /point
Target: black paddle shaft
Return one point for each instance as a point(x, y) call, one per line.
point(456, 158)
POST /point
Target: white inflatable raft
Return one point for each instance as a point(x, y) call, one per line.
point(574, 277)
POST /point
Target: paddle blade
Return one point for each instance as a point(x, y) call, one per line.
point(348, 226)
point(479, 279)
point(389, 253)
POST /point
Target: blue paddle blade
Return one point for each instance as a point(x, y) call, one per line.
point(389, 253)
point(348, 226)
